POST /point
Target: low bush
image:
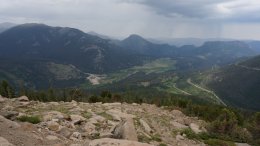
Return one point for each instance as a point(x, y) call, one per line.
point(30, 119)
point(190, 134)
point(217, 142)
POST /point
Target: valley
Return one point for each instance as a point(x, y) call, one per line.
point(133, 64)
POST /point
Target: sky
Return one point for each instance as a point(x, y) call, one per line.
point(238, 19)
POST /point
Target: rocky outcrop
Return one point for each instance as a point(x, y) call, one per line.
point(146, 126)
point(53, 115)
point(77, 123)
point(23, 99)
point(9, 114)
point(195, 128)
point(116, 142)
point(8, 123)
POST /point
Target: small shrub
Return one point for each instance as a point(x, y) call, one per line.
point(190, 134)
point(94, 99)
point(217, 142)
point(142, 138)
point(87, 115)
point(30, 119)
point(94, 136)
point(157, 138)
point(205, 136)
point(162, 144)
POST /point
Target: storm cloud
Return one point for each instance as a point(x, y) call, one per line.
point(150, 18)
point(235, 10)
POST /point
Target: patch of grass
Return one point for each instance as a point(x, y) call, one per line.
point(98, 126)
point(157, 138)
point(142, 138)
point(61, 109)
point(137, 121)
point(87, 115)
point(105, 115)
point(30, 119)
point(162, 144)
point(217, 142)
point(190, 134)
point(95, 136)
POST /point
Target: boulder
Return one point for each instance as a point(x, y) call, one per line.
point(53, 115)
point(8, 123)
point(76, 110)
point(147, 128)
point(52, 138)
point(23, 99)
point(74, 103)
point(9, 114)
point(106, 135)
point(77, 145)
point(8, 108)
point(178, 125)
point(2, 99)
point(195, 128)
point(179, 137)
point(54, 103)
point(99, 118)
point(112, 104)
point(66, 132)
point(120, 114)
point(115, 142)
point(114, 116)
point(4, 142)
point(125, 130)
point(242, 144)
point(177, 113)
point(89, 128)
point(53, 126)
point(77, 119)
point(76, 136)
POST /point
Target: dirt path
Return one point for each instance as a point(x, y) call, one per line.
point(206, 90)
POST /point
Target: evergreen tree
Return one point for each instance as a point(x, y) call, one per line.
point(3, 91)
point(225, 123)
point(10, 92)
point(51, 95)
point(6, 90)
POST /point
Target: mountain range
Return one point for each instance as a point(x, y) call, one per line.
point(39, 56)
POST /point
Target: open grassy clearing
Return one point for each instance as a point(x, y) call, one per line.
point(156, 66)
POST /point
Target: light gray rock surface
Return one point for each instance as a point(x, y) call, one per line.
point(115, 142)
point(4, 142)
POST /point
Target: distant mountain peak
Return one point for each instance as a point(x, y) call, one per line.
point(135, 38)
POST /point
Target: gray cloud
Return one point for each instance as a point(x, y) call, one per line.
point(150, 18)
point(235, 10)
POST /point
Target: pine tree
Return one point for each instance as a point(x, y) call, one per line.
point(10, 92)
point(3, 91)
point(6, 90)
